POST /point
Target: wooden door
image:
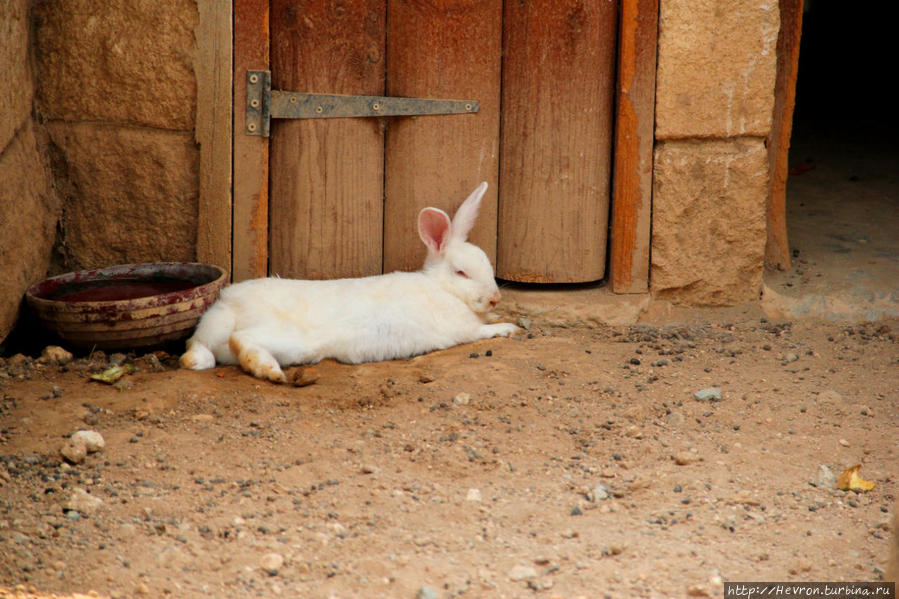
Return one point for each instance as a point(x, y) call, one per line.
point(345, 193)
point(327, 175)
point(558, 81)
point(441, 49)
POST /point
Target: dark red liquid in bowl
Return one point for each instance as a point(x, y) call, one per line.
point(117, 289)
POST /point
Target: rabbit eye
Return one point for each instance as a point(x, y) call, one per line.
point(462, 273)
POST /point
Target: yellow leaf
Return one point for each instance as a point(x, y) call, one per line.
point(850, 480)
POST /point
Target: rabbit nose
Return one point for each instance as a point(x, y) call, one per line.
point(494, 299)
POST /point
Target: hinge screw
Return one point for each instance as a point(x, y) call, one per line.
point(251, 127)
point(254, 103)
point(376, 106)
point(254, 78)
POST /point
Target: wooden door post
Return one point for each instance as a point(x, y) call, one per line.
point(634, 141)
point(250, 157)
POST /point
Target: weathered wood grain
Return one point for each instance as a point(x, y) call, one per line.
point(250, 156)
point(327, 175)
point(448, 49)
point(555, 164)
point(634, 140)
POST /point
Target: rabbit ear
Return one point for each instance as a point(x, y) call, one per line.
point(465, 216)
point(435, 229)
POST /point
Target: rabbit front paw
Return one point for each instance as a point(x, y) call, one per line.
point(500, 329)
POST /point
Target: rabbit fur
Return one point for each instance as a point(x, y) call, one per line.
point(264, 324)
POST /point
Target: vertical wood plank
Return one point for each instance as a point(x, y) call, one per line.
point(441, 49)
point(327, 175)
point(558, 81)
point(777, 249)
point(634, 138)
point(250, 212)
point(213, 132)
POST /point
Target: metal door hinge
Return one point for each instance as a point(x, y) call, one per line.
point(264, 104)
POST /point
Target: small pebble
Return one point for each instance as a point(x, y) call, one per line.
point(271, 563)
point(473, 495)
point(600, 492)
point(522, 572)
point(93, 441)
point(56, 355)
point(708, 394)
point(685, 457)
point(75, 450)
point(462, 399)
point(83, 502)
point(674, 419)
point(426, 593)
point(540, 584)
point(698, 590)
point(824, 478)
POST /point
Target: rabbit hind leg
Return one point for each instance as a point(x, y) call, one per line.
point(197, 356)
point(254, 358)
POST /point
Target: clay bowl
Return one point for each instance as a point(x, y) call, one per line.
point(131, 306)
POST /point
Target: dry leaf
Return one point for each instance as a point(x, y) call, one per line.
point(113, 374)
point(850, 480)
point(301, 377)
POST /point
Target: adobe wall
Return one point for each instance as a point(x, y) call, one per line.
point(29, 206)
point(714, 103)
point(117, 93)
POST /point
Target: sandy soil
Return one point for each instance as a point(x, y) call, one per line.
point(568, 462)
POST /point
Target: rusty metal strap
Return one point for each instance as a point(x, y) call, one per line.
point(264, 104)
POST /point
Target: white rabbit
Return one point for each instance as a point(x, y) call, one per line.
point(263, 324)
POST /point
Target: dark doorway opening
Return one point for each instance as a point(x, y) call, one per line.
point(842, 199)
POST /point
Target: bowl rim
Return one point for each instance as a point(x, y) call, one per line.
point(32, 297)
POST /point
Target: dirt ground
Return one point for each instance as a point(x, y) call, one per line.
point(569, 461)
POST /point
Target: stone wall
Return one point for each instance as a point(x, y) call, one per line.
point(714, 103)
point(117, 92)
point(29, 207)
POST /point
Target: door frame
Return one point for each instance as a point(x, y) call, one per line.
point(777, 247)
point(234, 227)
